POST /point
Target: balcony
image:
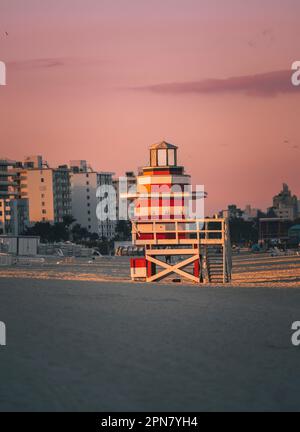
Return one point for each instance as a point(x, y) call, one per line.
point(7, 183)
point(7, 173)
point(6, 193)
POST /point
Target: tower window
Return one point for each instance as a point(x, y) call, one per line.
point(162, 157)
point(153, 161)
point(171, 157)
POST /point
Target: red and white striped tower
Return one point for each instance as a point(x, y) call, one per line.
point(163, 223)
point(163, 187)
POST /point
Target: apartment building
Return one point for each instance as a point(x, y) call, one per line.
point(124, 185)
point(61, 193)
point(47, 190)
point(85, 183)
point(13, 210)
point(44, 194)
point(36, 185)
point(285, 205)
point(250, 213)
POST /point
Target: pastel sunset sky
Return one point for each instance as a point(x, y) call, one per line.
point(103, 79)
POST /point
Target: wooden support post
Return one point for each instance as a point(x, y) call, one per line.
point(197, 263)
point(224, 252)
point(151, 269)
point(197, 268)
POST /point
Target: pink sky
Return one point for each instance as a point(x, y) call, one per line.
point(103, 79)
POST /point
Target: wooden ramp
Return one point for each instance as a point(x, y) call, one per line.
point(217, 268)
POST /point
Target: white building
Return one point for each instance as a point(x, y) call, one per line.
point(285, 204)
point(85, 185)
point(128, 183)
point(250, 213)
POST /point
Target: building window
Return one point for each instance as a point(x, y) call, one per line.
point(87, 183)
point(44, 211)
point(88, 197)
point(42, 180)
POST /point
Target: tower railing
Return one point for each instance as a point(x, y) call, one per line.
point(179, 231)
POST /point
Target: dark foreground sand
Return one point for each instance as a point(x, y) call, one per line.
point(119, 346)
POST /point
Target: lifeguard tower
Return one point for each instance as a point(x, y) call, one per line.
point(197, 249)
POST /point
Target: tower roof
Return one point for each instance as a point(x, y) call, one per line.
point(162, 145)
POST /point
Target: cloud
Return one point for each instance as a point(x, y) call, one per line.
point(268, 84)
point(50, 63)
point(42, 63)
point(264, 37)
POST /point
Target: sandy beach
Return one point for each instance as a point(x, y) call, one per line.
point(109, 345)
point(249, 270)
